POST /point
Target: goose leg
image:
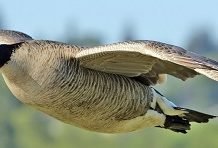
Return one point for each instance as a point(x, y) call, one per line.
point(177, 118)
point(166, 106)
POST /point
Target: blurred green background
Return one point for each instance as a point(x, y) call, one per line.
point(190, 24)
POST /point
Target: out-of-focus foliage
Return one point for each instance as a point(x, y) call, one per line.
point(72, 35)
point(202, 41)
point(1, 20)
point(24, 127)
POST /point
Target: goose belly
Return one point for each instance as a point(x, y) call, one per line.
point(97, 101)
point(88, 99)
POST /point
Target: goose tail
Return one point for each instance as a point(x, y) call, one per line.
point(181, 123)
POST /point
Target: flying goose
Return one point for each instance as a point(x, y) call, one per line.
point(106, 88)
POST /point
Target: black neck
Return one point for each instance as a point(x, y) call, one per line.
point(6, 52)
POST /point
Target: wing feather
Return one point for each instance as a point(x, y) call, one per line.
point(148, 59)
point(12, 37)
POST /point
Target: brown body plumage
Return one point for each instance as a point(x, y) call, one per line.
point(106, 88)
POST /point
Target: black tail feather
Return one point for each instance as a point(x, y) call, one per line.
point(182, 123)
point(195, 116)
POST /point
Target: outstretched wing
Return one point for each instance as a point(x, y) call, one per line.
point(12, 37)
point(147, 60)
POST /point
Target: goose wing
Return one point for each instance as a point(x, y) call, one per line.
point(147, 60)
point(12, 37)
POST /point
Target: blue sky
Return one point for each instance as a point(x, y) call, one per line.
point(164, 20)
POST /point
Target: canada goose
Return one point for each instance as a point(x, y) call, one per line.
point(106, 88)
